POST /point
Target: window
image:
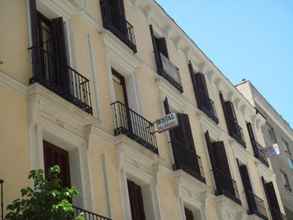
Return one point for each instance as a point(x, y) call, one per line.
point(188, 214)
point(201, 94)
point(286, 181)
point(165, 67)
point(136, 201)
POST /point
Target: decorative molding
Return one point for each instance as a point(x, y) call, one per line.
point(8, 82)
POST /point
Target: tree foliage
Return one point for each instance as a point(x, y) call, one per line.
point(47, 199)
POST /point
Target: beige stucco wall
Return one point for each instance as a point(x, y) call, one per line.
point(14, 126)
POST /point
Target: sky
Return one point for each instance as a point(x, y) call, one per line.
point(246, 39)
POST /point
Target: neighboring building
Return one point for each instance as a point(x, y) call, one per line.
point(81, 83)
point(276, 130)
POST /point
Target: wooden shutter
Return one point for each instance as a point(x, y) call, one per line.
point(188, 214)
point(220, 166)
point(272, 200)
point(229, 114)
point(252, 138)
point(36, 55)
point(162, 46)
point(54, 155)
point(156, 51)
point(200, 89)
point(136, 201)
point(60, 53)
point(247, 187)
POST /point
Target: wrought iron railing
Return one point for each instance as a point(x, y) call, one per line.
point(237, 133)
point(226, 186)
point(187, 160)
point(1, 199)
point(260, 154)
point(89, 215)
point(135, 126)
point(256, 205)
point(209, 109)
point(70, 85)
point(170, 72)
point(118, 25)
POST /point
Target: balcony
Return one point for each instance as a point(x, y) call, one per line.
point(170, 72)
point(133, 125)
point(226, 186)
point(1, 200)
point(118, 25)
point(237, 133)
point(72, 86)
point(259, 153)
point(187, 161)
point(89, 215)
point(256, 206)
point(209, 109)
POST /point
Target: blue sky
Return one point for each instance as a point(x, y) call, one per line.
point(247, 39)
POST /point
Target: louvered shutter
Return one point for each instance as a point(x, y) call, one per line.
point(156, 51)
point(272, 200)
point(188, 214)
point(61, 78)
point(252, 138)
point(247, 187)
point(36, 54)
point(136, 201)
point(222, 167)
point(162, 46)
point(56, 156)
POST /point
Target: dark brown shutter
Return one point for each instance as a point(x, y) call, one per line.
point(136, 201)
point(220, 165)
point(200, 88)
point(247, 187)
point(54, 155)
point(229, 114)
point(272, 200)
point(60, 53)
point(162, 46)
point(36, 54)
point(188, 214)
point(166, 106)
point(156, 50)
point(252, 138)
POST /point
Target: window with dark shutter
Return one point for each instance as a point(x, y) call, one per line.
point(188, 214)
point(54, 155)
point(182, 144)
point(252, 138)
point(247, 187)
point(233, 127)
point(136, 201)
point(272, 200)
point(220, 166)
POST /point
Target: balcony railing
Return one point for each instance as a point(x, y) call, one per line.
point(89, 215)
point(187, 161)
point(118, 25)
point(1, 199)
point(256, 206)
point(135, 126)
point(170, 72)
point(259, 153)
point(226, 186)
point(237, 133)
point(209, 109)
point(72, 86)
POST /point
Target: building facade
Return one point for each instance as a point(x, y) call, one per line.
point(276, 131)
point(81, 83)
